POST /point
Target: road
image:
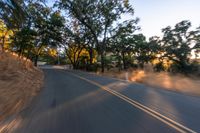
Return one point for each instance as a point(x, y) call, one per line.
point(79, 102)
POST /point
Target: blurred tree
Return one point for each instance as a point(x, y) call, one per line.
point(24, 42)
point(13, 13)
point(47, 25)
point(78, 54)
point(177, 44)
point(122, 42)
point(142, 50)
point(73, 53)
point(98, 18)
point(5, 35)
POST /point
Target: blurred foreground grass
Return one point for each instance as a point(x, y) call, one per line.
point(19, 82)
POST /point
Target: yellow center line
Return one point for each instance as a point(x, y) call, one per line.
point(177, 126)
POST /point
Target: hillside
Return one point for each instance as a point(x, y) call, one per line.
point(19, 82)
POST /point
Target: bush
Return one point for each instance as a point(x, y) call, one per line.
point(159, 67)
point(92, 67)
point(192, 68)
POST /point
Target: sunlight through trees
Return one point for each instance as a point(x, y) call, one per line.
point(92, 35)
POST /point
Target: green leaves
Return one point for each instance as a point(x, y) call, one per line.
point(98, 18)
point(177, 44)
point(13, 13)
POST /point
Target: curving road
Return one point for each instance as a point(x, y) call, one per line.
point(79, 102)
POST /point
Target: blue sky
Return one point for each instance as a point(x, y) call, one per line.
point(157, 14)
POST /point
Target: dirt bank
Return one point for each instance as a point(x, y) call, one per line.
point(20, 81)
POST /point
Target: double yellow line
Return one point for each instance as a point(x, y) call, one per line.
point(177, 126)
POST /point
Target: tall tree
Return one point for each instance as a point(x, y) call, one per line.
point(98, 16)
point(178, 42)
point(122, 40)
point(5, 34)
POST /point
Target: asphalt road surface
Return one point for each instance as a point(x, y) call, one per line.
point(79, 102)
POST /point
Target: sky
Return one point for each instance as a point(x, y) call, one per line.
point(157, 14)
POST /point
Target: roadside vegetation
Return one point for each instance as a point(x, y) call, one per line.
point(20, 81)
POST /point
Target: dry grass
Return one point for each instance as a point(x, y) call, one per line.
point(19, 82)
point(179, 83)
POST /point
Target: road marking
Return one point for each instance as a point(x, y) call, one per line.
point(177, 126)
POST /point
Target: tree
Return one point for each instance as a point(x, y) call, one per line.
point(122, 41)
point(5, 35)
point(177, 43)
point(47, 25)
point(156, 54)
point(79, 55)
point(73, 53)
point(56, 26)
point(77, 35)
point(142, 50)
point(41, 28)
point(195, 37)
point(98, 18)
point(24, 41)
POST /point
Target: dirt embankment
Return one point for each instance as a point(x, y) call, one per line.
point(163, 80)
point(19, 82)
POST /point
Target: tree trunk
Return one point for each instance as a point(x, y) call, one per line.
point(36, 60)
point(91, 55)
point(20, 50)
point(3, 44)
point(124, 61)
point(29, 54)
point(102, 62)
point(119, 62)
point(74, 66)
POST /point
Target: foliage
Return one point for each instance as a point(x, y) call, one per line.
point(176, 47)
point(79, 56)
point(5, 35)
point(89, 30)
point(97, 17)
point(12, 12)
point(41, 28)
point(122, 43)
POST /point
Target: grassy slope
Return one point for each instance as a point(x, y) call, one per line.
point(19, 82)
